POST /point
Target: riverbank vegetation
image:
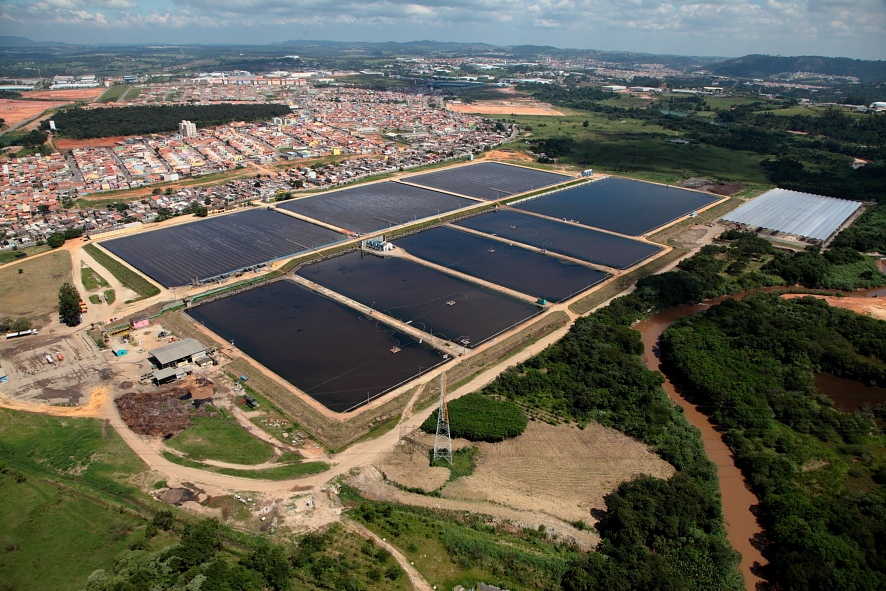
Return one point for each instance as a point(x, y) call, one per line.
point(818, 472)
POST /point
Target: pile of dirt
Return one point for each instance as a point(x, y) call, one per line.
point(199, 387)
point(727, 189)
point(703, 184)
point(162, 413)
point(177, 496)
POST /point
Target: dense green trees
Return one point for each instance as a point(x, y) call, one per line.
point(88, 123)
point(476, 417)
point(69, 304)
point(815, 469)
point(867, 233)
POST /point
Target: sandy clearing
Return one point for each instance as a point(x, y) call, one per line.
point(100, 142)
point(506, 108)
point(83, 94)
point(17, 112)
point(875, 307)
point(93, 408)
point(561, 471)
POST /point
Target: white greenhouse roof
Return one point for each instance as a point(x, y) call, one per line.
point(792, 212)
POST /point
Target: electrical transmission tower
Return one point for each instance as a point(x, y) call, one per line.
point(443, 440)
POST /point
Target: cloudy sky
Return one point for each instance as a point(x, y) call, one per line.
point(850, 28)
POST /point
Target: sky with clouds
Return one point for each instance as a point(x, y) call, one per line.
point(846, 28)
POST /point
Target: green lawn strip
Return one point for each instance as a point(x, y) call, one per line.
point(289, 456)
point(93, 299)
point(110, 296)
point(221, 439)
point(171, 457)
point(91, 280)
point(278, 473)
point(124, 274)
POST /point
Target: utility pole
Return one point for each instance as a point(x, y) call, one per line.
point(443, 439)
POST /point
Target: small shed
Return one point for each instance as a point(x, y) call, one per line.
point(170, 374)
point(139, 322)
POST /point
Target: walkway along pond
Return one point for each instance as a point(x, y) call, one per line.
point(738, 500)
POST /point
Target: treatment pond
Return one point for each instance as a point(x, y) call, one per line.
point(620, 205)
point(431, 301)
point(526, 271)
point(336, 355)
point(573, 241)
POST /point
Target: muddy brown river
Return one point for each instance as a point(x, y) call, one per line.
point(741, 525)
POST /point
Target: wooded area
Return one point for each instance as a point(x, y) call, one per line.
point(79, 123)
point(817, 471)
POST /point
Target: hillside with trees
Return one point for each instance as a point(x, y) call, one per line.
point(763, 66)
point(79, 123)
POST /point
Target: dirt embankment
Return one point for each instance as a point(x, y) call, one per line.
point(875, 307)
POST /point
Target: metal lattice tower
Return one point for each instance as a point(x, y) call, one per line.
point(443, 440)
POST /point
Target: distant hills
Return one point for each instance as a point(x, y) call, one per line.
point(10, 41)
point(763, 66)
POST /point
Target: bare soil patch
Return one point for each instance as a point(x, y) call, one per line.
point(15, 112)
point(100, 142)
point(516, 107)
point(703, 184)
point(559, 470)
point(82, 94)
point(507, 155)
point(413, 470)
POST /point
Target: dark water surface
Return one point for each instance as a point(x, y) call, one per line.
point(581, 243)
point(516, 268)
point(411, 292)
point(178, 255)
point(368, 208)
point(335, 354)
point(487, 180)
point(620, 205)
point(847, 394)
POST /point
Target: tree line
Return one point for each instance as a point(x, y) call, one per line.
point(79, 123)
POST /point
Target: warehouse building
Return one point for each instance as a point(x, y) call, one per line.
point(178, 353)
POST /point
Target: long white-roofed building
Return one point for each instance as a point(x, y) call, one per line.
point(793, 212)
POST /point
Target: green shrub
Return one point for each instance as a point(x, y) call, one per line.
point(476, 417)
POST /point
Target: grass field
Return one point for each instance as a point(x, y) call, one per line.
point(91, 280)
point(639, 149)
point(132, 94)
point(63, 482)
point(124, 274)
point(34, 291)
point(114, 93)
point(110, 296)
point(221, 439)
point(8, 256)
point(279, 473)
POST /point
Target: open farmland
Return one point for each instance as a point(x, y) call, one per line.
point(487, 180)
point(179, 255)
point(34, 291)
point(377, 206)
point(17, 112)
